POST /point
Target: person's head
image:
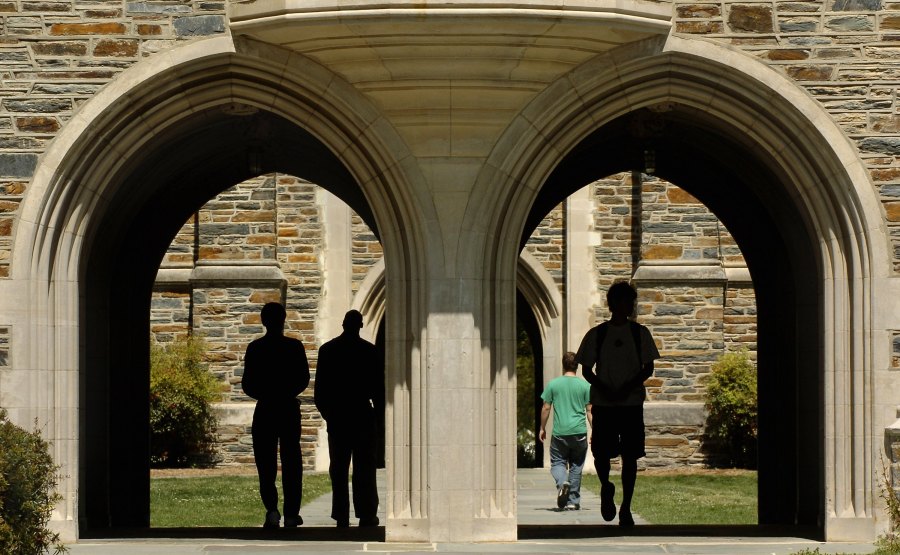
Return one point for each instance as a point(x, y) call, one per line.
point(273, 316)
point(620, 298)
point(353, 321)
point(568, 362)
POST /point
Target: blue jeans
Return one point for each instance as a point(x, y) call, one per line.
point(567, 454)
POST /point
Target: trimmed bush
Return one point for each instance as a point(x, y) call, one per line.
point(182, 423)
point(732, 404)
point(28, 480)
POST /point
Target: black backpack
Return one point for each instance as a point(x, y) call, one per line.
point(603, 328)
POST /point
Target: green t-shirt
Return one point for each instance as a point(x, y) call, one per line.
point(569, 396)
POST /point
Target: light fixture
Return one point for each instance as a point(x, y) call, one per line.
point(649, 160)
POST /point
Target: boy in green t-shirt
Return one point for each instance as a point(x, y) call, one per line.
point(570, 398)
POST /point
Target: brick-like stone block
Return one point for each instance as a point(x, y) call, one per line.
point(890, 22)
point(67, 29)
point(146, 29)
point(662, 252)
point(787, 54)
point(200, 25)
point(17, 164)
point(856, 5)
point(751, 18)
point(37, 124)
point(59, 49)
point(892, 211)
point(851, 23)
point(810, 73)
point(881, 145)
point(46, 7)
point(700, 11)
point(116, 48)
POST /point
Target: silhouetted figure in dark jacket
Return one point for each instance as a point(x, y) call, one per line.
point(350, 396)
point(275, 372)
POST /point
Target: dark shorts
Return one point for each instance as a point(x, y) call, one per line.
point(617, 431)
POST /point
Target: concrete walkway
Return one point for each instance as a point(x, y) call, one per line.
point(542, 529)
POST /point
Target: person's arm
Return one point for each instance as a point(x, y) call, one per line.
point(545, 415)
point(590, 419)
point(323, 390)
point(378, 384)
point(586, 360)
point(302, 375)
point(248, 379)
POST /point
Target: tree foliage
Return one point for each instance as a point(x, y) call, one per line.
point(28, 480)
point(182, 423)
point(731, 402)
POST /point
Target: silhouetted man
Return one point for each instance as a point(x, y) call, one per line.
point(275, 372)
point(623, 352)
point(350, 395)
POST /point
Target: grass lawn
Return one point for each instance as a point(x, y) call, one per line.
point(693, 498)
point(218, 500)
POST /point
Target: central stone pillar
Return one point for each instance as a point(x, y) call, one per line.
point(448, 81)
point(452, 457)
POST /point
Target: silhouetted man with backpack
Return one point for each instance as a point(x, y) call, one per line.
point(623, 352)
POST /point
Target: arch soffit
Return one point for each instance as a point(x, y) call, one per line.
point(776, 118)
point(533, 280)
point(70, 181)
point(539, 289)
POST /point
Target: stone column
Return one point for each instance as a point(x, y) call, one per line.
point(451, 458)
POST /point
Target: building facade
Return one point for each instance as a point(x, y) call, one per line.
point(279, 238)
point(452, 130)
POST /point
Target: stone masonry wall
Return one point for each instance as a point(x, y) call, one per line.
point(366, 251)
point(547, 245)
point(651, 230)
point(845, 53)
point(56, 55)
point(271, 220)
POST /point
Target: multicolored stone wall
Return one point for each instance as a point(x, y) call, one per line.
point(56, 55)
point(548, 245)
point(256, 242)
point(845, 53)
point(366, 250)
point(694, 294)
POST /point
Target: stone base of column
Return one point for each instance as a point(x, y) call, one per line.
point(850, 529)
point(500, 529)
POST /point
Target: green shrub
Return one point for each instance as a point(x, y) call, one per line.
point(732, 405)
point(28, 480)
point(889, 542)
point(182, 423)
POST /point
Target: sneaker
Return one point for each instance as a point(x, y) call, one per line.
point(573, 507)
point(369, 521)
point(273, 519)
point(607, 504)
point(293, 521)
point(562, 496)
point(625, 518)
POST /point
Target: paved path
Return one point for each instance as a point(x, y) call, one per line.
point(569, 531)
point(536, 498)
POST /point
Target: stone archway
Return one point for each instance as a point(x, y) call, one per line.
point(451, 197)
point(111, 192)
point(814, 253)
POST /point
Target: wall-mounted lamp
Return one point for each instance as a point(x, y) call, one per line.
point(254, 160)
point(649, 161)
